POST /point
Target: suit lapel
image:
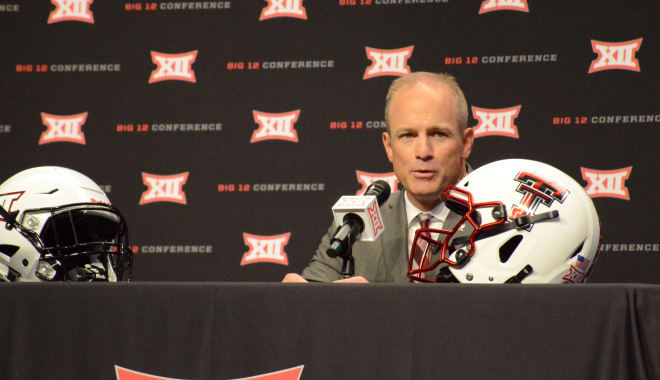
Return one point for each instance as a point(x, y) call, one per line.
point(394, 243)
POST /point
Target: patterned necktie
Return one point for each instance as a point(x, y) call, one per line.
point(421, 244)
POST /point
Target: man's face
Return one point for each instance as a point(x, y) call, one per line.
point(424, 143)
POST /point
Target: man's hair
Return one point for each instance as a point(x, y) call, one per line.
point(430, 78)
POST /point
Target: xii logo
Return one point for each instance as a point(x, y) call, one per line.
point(275, 126)
point(71, 10)
point(504, 5)
point(496, 122)
point(615, 55)
point(366, 179)
point(63, 128)
point(388, 62)
point(607, 183)
point(376, 220)
point(285, 374)
point(265, 249)
point(164, 188)
point(283, 8)
point(173, 67)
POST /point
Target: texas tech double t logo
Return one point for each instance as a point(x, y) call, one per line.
point(7, 201)
point(536, 191)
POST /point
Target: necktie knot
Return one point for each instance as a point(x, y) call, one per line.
point(420, 254)
point(424, 220)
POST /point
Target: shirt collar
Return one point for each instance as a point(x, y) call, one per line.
point(438, 212)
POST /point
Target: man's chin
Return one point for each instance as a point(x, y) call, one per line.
point(425, 188)
point(425, 193)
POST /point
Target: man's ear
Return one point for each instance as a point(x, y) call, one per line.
point(387, 143)
point(468, 140)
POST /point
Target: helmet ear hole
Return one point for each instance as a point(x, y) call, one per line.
point(576, 251)
point(507, 249)
point(9, 250)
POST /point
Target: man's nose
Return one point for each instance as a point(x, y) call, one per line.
point(423, 148)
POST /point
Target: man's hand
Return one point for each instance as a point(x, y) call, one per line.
point(293, 277)
point(355, 280)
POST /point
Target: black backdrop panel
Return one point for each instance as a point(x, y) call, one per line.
point(262, 112)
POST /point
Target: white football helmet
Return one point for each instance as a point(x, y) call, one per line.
point(522, 221)
point(58, 225)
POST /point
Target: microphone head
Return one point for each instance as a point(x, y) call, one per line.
point(380, 189)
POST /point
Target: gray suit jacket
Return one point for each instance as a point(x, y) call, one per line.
point(383, 260)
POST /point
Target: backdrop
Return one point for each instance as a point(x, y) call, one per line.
point(225, 130)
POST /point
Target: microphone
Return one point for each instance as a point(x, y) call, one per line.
point(358, 218)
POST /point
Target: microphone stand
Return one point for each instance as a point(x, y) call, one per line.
point(348, 265)
point(342, 245)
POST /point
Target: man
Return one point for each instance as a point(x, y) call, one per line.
point(428, 142)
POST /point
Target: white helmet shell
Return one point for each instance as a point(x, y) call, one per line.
point(557, 235)
point(31, 196)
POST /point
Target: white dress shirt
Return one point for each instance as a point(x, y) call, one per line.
point(438, 216)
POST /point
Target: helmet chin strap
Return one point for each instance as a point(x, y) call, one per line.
point(87, 273)
point(446, 277)
point(94, 270)
point(517, 279)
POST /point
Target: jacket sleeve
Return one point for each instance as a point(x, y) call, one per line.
point(323, 268)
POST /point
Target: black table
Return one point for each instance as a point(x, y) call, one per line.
point(349, 331)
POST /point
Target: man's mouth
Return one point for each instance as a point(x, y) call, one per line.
point(423, 173)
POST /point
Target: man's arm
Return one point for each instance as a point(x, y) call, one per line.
point(322, 268)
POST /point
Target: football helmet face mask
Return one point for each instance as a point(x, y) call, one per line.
point(521, 221)
point(58, 225)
